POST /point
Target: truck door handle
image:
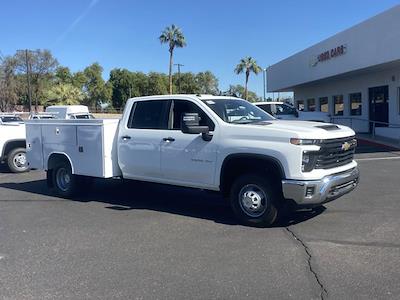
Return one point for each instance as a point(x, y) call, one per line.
point(126, 137)
point(168, 139)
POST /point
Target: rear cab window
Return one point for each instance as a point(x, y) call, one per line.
point(151, 114)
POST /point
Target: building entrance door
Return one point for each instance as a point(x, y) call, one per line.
point(378, 106)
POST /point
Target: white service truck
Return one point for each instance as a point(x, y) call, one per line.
point(216, 143)
point(286, 111)
point(12, 142)
point(12, 132)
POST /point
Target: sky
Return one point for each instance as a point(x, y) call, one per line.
point(124, 34)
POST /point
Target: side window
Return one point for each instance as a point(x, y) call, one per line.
point(180, 107)
point(149, 115)
point(300, 105)
point(267, 108)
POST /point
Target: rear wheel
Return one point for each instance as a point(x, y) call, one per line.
point(254, 200)
point(16, 160)
point(64, 182)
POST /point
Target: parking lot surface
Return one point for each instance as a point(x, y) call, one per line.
point(148, 241)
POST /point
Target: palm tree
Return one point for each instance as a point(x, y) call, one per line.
point(173, 36)
point(247, 65)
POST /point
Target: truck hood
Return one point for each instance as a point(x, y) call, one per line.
point(299, 129)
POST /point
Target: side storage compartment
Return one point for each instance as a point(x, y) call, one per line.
point(34, 150)
point(89, 150)
point(88, 145)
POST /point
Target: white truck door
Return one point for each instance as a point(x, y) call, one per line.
point(140, 138)
point(187, 158)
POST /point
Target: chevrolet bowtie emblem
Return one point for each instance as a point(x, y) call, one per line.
point(346, 146)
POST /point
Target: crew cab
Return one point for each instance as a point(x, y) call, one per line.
point(285, 111)
point(12, 142)
point(216, 143)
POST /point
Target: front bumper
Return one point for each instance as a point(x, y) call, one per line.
point(314, 192)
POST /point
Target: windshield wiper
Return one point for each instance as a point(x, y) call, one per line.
point(245, 121)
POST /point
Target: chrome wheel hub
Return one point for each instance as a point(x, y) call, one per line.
point(20, 161)
point(253, 200)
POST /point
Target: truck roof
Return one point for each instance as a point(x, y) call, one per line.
point(198, 96)
point(70, 109)
point(269, 102)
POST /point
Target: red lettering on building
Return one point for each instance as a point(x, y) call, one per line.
point(338, 51)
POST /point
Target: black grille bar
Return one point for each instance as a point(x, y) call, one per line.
point(335, 153)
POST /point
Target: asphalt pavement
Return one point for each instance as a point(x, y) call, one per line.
point(148, 241)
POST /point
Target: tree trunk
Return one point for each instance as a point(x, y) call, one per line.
point(245, 86)
point(171, 51)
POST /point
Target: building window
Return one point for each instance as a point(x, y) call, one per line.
point(355, 104)
point(338, 105)
point(311, 104)
point(300, 105)
point(323, 104)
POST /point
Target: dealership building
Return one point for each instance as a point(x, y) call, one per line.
point(353, 75)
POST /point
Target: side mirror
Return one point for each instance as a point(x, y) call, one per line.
point(190, 125)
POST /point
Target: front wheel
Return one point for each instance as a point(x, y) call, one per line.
point(16, 160)
point(254, 200)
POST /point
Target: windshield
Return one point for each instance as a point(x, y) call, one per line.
point(284, 109)
point(9, 119)
point(83, 116)
point(278, 109)
point(238, 111)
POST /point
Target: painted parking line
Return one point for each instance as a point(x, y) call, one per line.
point(378, 158)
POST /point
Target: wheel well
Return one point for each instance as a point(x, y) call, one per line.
point(237, 165)
point(56, 159)
point(13, 145)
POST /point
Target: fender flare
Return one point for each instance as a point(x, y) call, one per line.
point(60, 153)
point(2, 154)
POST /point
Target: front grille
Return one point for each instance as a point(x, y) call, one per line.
point(334, 154)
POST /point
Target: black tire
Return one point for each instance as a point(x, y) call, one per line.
point(16, 160)
point(254, 200)
point(64, 183)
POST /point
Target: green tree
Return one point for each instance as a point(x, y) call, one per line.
point(247, 65)
point(8, 83)
point(63, 75)
point(95, 88)
point(207, 83)
point(64, 94)
point(121, 82)
point(78, 80)
point(173, 36)
point(186, 83)
point(157, 84)
point(42, 66)
point(239, 91)
point(139, 85)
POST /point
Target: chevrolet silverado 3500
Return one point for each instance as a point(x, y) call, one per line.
point(216, 143)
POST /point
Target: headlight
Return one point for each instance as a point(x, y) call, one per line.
point(308, 161)
point(296, 141)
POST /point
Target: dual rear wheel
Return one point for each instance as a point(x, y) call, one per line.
point(65, 183)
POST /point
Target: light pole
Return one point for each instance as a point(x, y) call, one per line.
point(264, 81)
point(179, 76)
